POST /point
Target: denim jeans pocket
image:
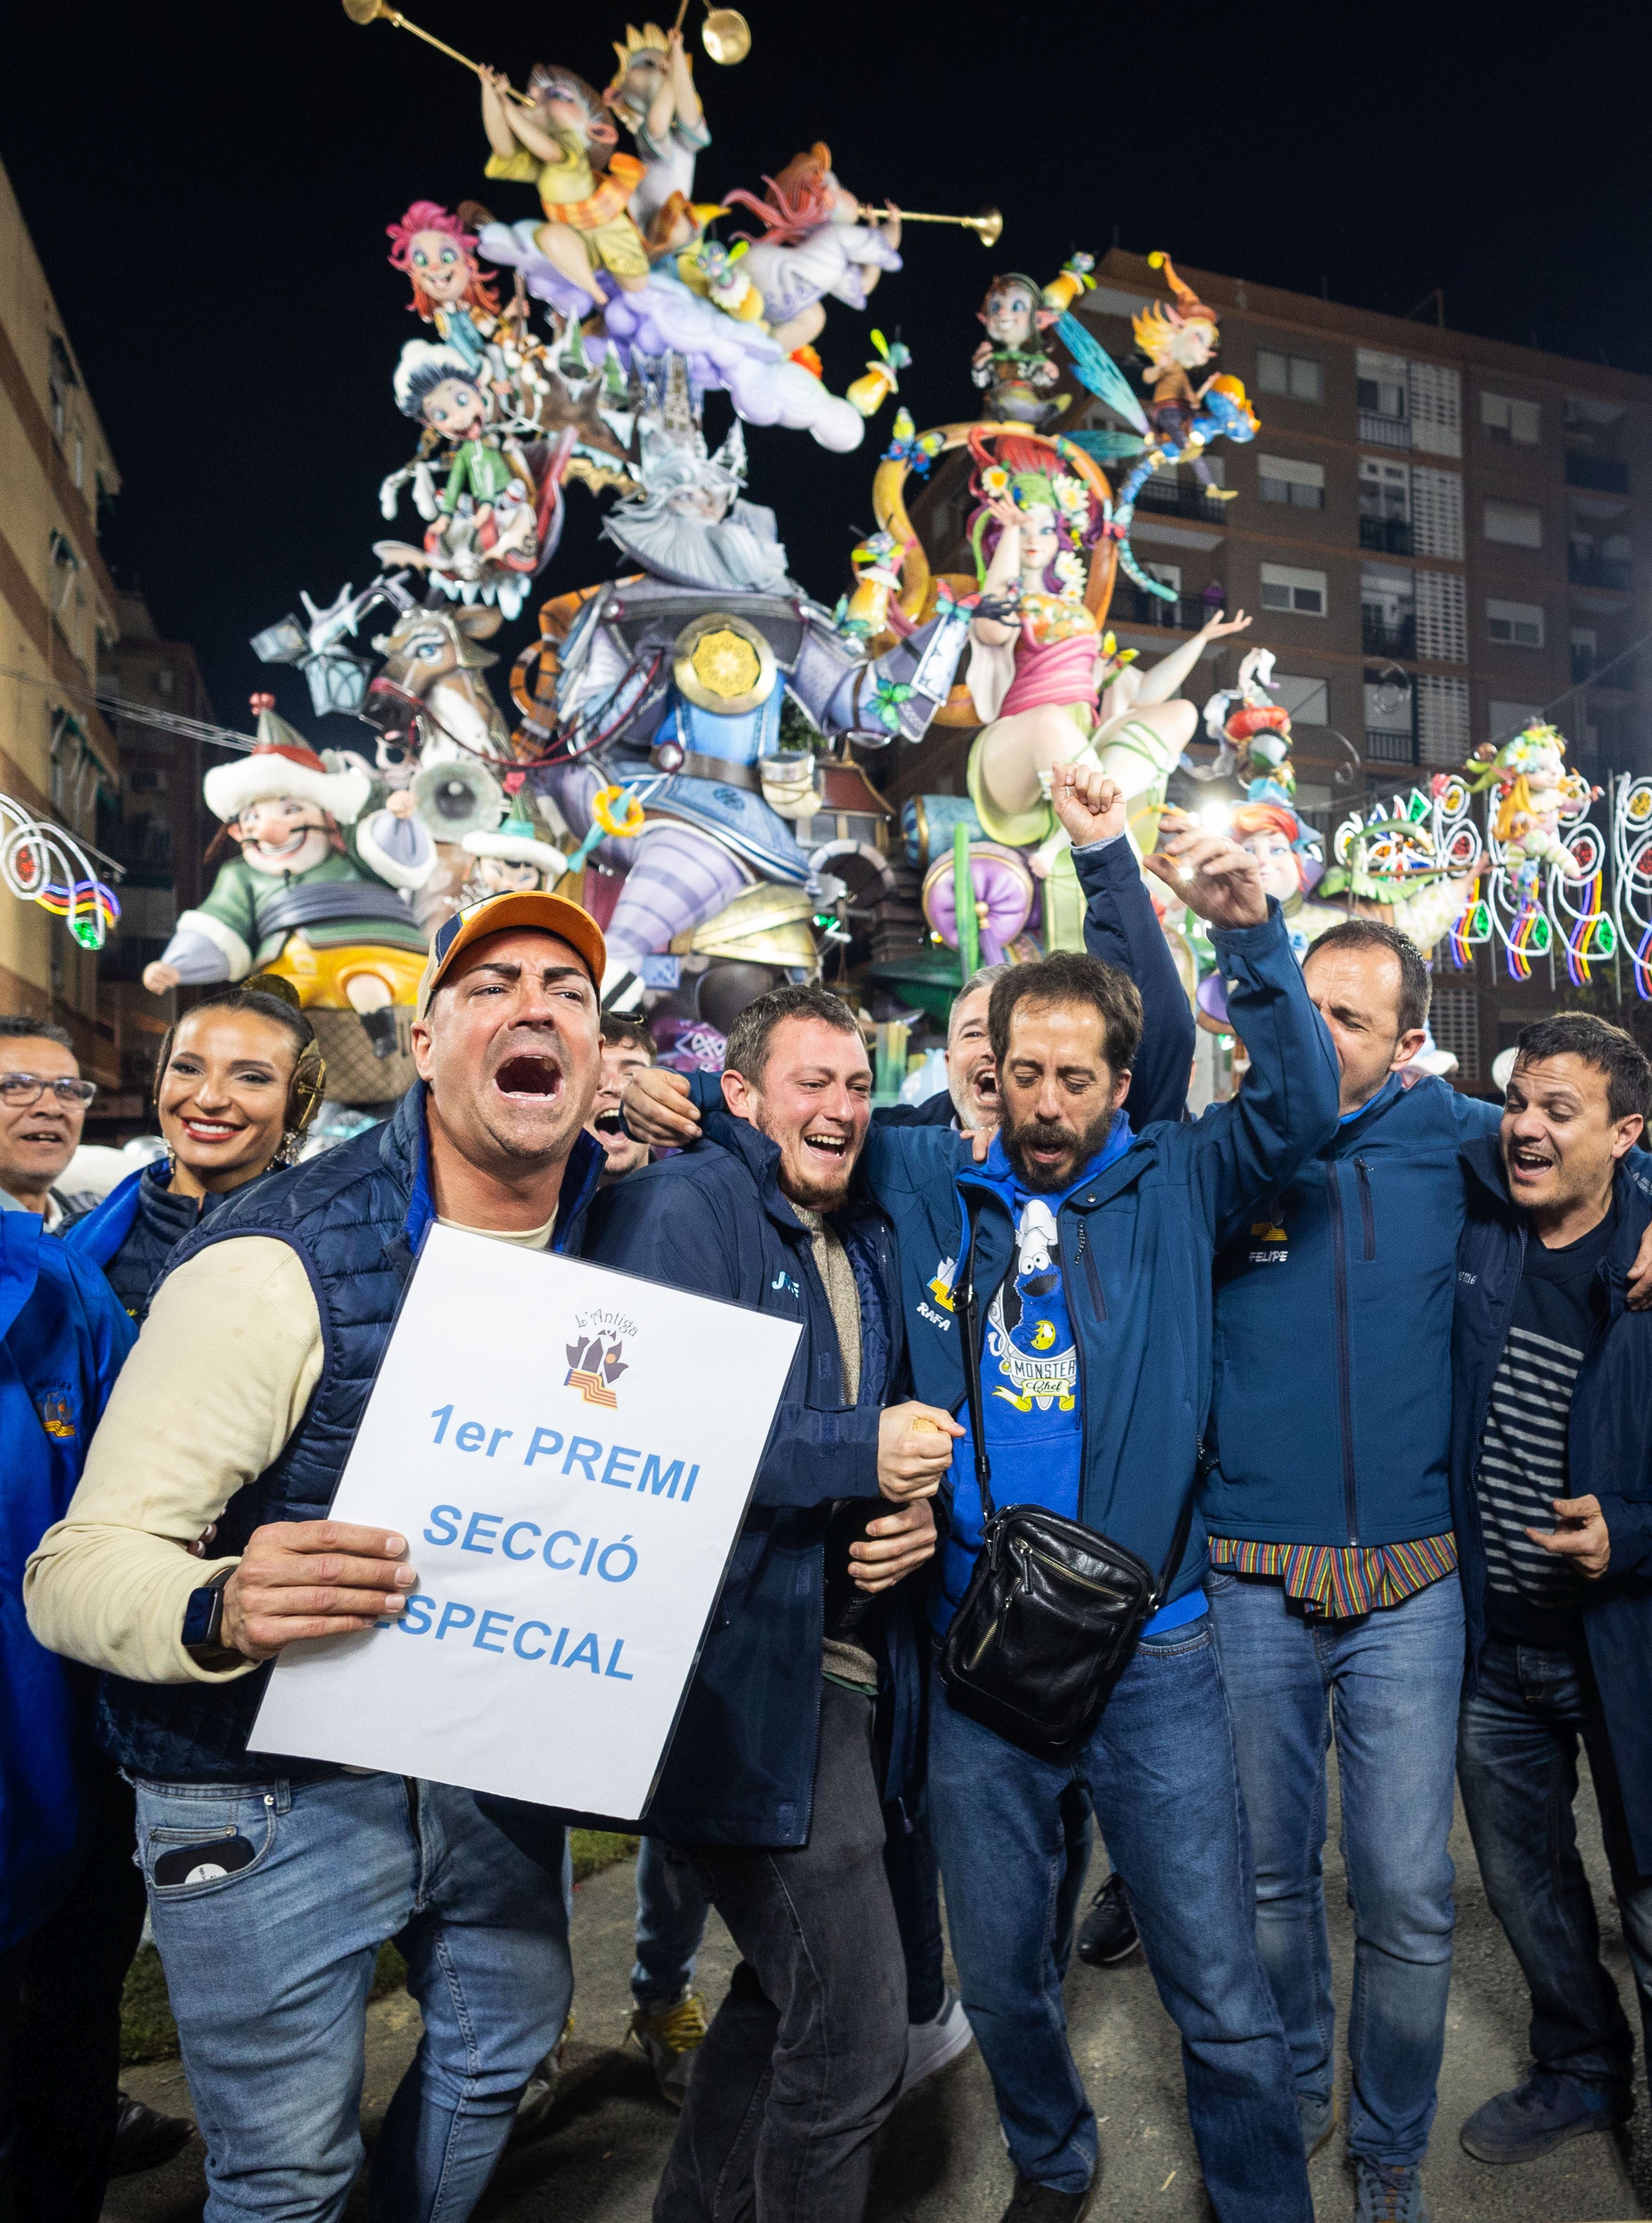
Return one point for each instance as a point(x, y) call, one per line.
point(1217, 1579)
point(204, 1844)
point(1198, 1637)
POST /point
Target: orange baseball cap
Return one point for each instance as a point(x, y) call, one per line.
point(530, 909)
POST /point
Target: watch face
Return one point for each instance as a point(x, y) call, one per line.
point(202, 1616)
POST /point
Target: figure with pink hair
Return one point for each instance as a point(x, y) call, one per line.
point(1048, 687)
point(431, 247)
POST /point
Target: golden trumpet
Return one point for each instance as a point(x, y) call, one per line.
point(725, 35)
point(369, 11)
point(989, 223)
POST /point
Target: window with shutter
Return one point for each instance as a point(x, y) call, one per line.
point(1519, 423)
point(1436, 513)
point(1301, 377)
point(1441, 721)
point(1441, 618)
point(1284, 587)
point(1282, 479)
point(1517, 523)
point(1514, 625)
point(1437, 399)
point(1307, 700)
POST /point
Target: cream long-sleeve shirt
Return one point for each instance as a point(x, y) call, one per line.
point(219, 1380)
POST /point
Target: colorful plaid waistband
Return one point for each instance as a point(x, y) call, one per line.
point(1340, 1582)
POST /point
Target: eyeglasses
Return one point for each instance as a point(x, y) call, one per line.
point(18, 1091)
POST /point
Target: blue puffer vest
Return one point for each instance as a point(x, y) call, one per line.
point(356, 1218)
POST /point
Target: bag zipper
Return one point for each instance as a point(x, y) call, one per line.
point(1083, 1581)
point(1344, 1386)
point(1367, 1208)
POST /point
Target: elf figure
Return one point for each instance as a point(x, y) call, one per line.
point(509, 858)
point(317, 892)
point(488, 509)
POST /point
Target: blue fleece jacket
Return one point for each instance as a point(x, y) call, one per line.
point(1135, 1246)
point(1029, 1376)
point(1330, 1414)
point(63, 1338)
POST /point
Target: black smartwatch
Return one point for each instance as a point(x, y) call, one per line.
point(203, 1615)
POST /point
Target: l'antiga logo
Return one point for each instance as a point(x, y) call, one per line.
point(595, 1357)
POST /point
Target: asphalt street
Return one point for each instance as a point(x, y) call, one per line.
point(940, 2159)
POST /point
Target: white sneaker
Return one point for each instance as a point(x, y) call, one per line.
point(541, 2087)
point(931, 2045)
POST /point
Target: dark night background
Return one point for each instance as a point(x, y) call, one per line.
point(207, 187)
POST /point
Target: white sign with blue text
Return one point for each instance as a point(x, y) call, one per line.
point(569, 1453)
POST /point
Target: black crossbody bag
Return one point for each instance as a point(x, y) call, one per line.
point(1053, 1611)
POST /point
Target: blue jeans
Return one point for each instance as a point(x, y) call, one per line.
point(1517, 1762)
point(671, 1910)
point(269, 1967)
point(1387, 1683)
point(1159, 1773)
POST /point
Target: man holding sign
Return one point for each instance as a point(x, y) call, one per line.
point(272, 1885)
point(771, 1790)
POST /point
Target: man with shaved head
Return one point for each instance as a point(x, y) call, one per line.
point(272, 1883)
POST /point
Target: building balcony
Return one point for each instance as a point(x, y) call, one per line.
point(1385, 536)
point(1384, 431)
point(1600, 474)
point(1133, 605)
point(1379, 638)
point(1175, 496)
point(1596, 572)
point(1390, 748)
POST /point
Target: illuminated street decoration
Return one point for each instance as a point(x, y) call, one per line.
point(42, 863)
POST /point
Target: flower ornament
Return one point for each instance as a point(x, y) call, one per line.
point(1071, 495)
point(995, 480)
point(1070, 569)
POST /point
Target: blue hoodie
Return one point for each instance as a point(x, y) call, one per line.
point(63, 1338)
point(1029, 1374)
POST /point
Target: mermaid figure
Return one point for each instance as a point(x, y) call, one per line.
point(1047, 685)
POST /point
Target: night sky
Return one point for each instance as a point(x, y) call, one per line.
point(208, 185)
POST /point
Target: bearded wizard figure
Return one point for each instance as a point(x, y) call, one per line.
point(671, 685)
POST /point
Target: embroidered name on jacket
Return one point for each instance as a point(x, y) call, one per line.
point(1269, 1232)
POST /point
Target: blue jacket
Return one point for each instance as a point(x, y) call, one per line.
point(1137, 1243)
point(1331, 1419)
point(133, 1232)
point(355, 1217)
point(1609, 1445)
point(62, 1341)
point(741, 1769)
point(937, 1111)
point(1330, 1416)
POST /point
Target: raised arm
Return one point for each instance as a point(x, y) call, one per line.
point(1161, 682)
point(496, 113)
point(1287, 1109)
point(1121, 928)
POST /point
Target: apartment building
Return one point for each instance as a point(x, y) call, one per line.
point(1438, 535)
point(58, 619)
point(160, 840)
